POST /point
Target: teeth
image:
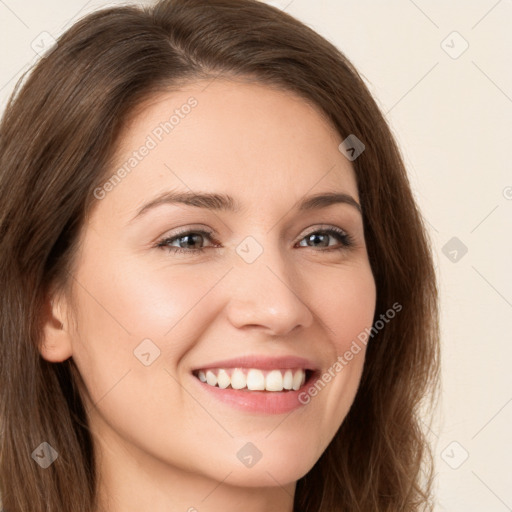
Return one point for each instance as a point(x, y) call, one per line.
point(288, 380)
point(238, 379)
point(254, 379)
point(223, 379)
point(211, 378)
point(274, 381)
point(297, 380)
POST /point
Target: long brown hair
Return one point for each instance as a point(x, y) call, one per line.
point(57, 135)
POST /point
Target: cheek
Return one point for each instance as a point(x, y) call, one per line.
point(347, 314)
point(132, 317)
point(135, 324)
point(348, 307)
point(137, 301)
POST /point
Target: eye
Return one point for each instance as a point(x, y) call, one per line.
point(190, 239)
point(187, 240)
point(322, 236)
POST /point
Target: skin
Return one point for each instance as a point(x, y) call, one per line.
point(164, 444)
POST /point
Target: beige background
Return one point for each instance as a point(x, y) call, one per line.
point(451, 111)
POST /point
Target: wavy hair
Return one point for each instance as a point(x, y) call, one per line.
point(57, 137)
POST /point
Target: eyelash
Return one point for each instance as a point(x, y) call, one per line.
point(346, 240)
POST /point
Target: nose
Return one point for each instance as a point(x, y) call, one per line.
point(266, 294)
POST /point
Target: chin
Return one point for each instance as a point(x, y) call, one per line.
point(270, 474)
point(271, 463)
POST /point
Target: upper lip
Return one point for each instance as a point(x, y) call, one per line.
point(262, 362)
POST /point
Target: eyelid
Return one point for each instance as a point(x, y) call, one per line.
point(320, 227)
point(333, 231)
point(185, 231)
point(345, 239)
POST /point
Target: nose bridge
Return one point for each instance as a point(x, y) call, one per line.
point(266, 291)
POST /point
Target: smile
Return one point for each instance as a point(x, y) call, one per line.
point(256, 383)
point(254, 379)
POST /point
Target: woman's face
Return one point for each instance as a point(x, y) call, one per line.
point(272, 292)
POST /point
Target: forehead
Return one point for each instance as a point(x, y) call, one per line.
point(245, 139)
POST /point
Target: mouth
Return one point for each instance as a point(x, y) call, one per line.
point(255, 379)
point(257, 384)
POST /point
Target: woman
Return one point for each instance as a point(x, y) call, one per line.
point(218, 289)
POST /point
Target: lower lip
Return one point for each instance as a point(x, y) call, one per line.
point(263, 402)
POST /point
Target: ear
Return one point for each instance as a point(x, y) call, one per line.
point(55, 345)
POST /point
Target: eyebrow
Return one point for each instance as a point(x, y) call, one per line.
point(224, 202)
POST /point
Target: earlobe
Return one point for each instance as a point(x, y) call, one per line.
point(55, 345)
